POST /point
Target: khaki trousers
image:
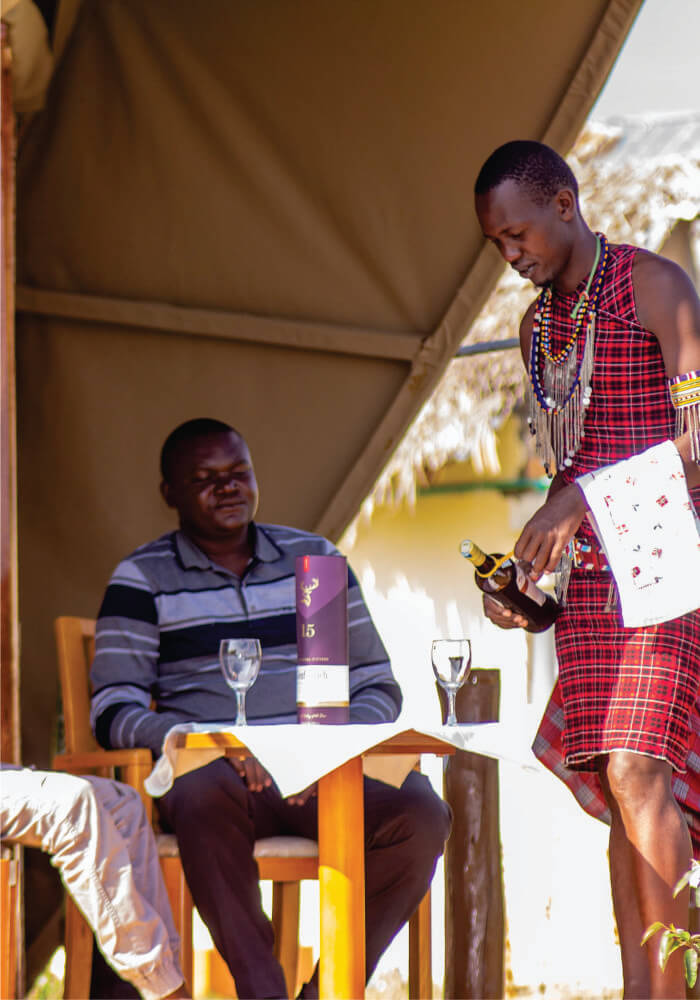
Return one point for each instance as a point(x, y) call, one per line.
point(99, 839)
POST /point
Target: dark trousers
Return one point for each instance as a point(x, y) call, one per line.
point(217, 820)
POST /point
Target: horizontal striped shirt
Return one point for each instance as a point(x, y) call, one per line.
point(164, 613)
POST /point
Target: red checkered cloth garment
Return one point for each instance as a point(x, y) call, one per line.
point(621, 688)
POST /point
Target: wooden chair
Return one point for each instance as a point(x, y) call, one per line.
point(283, 860)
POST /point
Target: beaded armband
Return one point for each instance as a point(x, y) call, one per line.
point(685, 396)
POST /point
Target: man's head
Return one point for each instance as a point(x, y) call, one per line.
point(526, 199)
point(208, 478)
point(536, 169)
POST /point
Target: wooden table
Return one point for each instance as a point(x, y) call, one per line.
point(341, 855)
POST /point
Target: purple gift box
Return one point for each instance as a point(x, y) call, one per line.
point(322, 639)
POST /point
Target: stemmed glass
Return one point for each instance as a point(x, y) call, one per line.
point(452, 660)
point(240, 663)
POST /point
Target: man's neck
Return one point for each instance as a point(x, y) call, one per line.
point(233, 552)
point(580, 261)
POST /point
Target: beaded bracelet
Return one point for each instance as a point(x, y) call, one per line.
point(685, 396)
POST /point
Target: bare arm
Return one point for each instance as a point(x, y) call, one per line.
point(526, 333)
point(492, 609)
point(548, 531)
point(668, 306)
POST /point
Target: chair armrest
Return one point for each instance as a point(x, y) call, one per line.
point(103, 758)
point(136, 764)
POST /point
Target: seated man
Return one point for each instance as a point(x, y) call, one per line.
point(100, 841)
point(164, 612)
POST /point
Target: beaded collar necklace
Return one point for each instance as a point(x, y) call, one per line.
point(558, 400)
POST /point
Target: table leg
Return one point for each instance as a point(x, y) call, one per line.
point(341, 876)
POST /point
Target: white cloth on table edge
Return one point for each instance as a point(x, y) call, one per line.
point(297, 755)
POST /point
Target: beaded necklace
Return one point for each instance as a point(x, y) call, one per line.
point(559, 401)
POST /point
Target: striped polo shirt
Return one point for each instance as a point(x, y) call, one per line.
point(167, 607)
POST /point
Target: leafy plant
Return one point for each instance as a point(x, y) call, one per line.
point(673, 937)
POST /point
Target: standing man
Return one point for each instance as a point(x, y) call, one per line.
point(611, 328)
point(221, 575)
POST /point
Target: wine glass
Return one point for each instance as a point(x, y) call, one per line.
point(452, 660)
point(240, 662)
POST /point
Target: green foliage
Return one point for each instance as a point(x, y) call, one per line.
point(673, 937)
point(46, 986)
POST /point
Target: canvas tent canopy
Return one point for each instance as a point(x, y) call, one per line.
point(259, 212)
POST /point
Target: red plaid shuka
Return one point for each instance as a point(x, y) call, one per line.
point(621, 688)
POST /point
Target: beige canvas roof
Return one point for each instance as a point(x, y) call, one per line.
point(261, 213)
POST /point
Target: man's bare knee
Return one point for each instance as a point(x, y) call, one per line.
point(634, 779)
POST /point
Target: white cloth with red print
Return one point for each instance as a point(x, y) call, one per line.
point(642, 513)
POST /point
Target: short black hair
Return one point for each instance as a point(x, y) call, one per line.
point(189, 431)
point(532, 165)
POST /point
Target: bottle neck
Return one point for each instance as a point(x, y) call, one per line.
point(483, 562)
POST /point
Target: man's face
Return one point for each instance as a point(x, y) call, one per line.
point(533, 238)
point(212, 486)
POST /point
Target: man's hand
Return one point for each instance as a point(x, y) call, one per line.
point(547, 533)
point(252, 772)
point(503, 617)
point(303, 797)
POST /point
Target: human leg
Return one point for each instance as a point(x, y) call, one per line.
point(629, 695)
point(623, 884)
point(652, 850)
point(101, 843)
point(213, 815)
point(105, 984)
point(124, 807)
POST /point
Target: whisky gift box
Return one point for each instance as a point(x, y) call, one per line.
point(323, 687)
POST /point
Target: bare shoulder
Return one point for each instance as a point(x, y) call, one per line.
point(660, 287)
point(653, 267)
point(526, 330)
point(669, 307)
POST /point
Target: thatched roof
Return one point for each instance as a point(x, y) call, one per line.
point(638, 176)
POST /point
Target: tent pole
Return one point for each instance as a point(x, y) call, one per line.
point(9, 628)
point(9, 619)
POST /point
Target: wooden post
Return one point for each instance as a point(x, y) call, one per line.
point(474, 902)
point(9, 644)
point(9, 618)
point(420, 953)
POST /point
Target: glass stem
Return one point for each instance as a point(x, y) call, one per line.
point(451, 717)
point(240, 708)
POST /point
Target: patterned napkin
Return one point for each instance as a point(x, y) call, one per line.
point(642, 513)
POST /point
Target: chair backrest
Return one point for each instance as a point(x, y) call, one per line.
point(75, 645)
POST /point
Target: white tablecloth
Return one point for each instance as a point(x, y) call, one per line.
point(298, 755)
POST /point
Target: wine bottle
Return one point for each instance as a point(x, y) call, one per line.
point(509, 584)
